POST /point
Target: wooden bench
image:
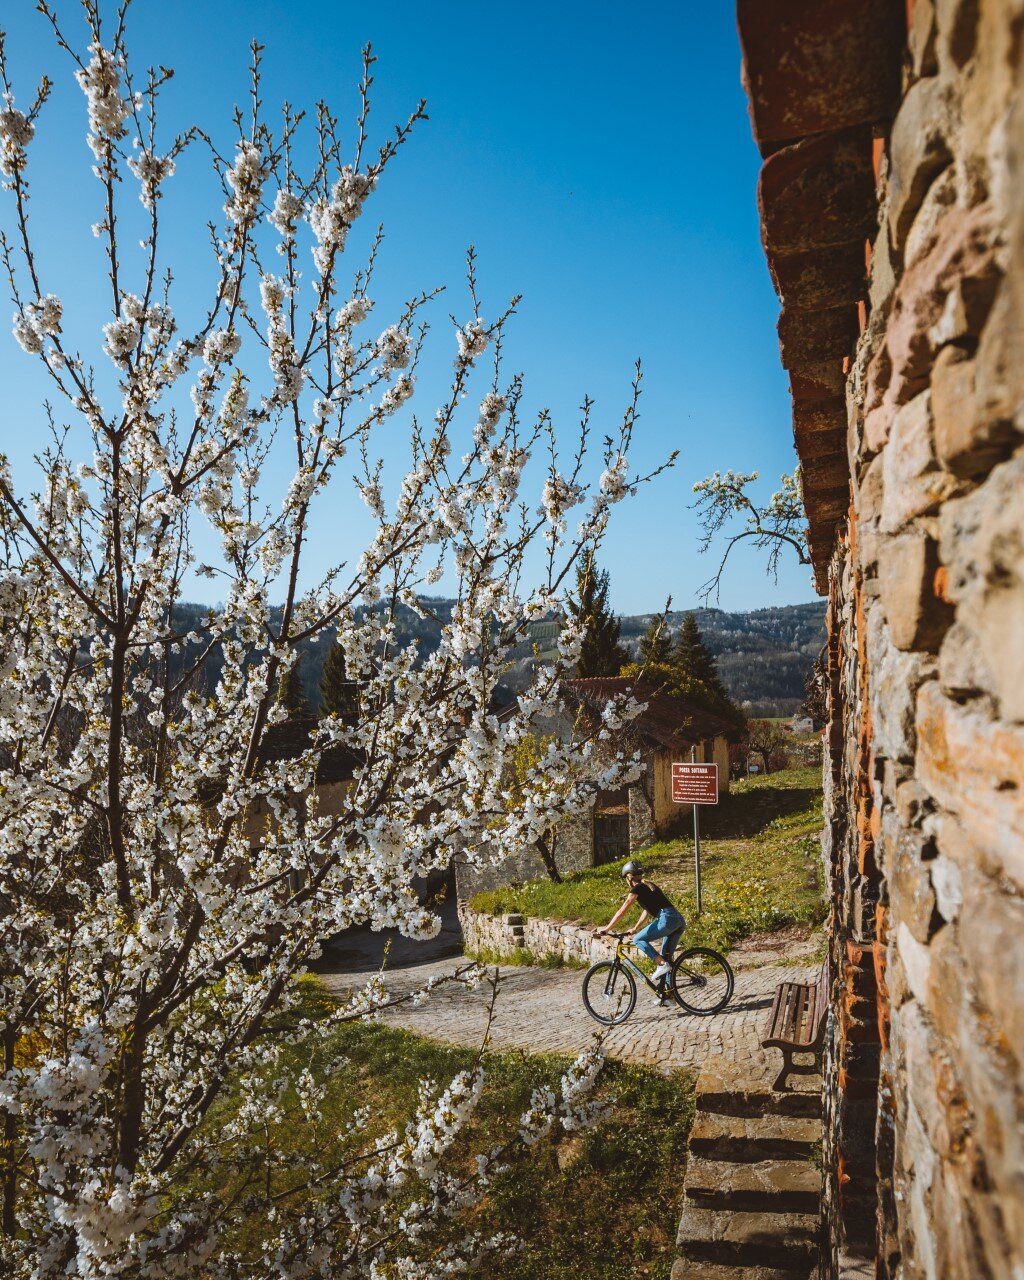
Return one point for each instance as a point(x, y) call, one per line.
point(797, 1024)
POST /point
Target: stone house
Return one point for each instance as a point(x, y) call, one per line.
point(334, 776)
point(891, 199)
point(620, 822)
point(670, 729)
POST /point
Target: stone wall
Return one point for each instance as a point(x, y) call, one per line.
point(924, 778)
point(505, 935)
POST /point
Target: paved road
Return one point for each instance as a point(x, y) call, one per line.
point(541, 1009)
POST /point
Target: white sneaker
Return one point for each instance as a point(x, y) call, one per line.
point(662, 971)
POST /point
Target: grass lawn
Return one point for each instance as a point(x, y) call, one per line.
point(601, 1205)
point(760, 868)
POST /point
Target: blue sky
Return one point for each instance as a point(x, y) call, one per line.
point(600, 158)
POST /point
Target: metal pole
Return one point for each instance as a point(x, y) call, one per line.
point(696, 837)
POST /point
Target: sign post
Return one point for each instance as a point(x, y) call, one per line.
point(695, 784)
point(696, 838)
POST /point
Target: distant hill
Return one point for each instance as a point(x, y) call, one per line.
point(763, 655)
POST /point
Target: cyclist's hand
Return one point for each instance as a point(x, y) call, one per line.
point(600, 933)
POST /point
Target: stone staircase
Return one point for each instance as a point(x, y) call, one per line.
point(753, 1184)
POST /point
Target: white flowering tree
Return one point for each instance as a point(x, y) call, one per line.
point(725, 502)
point(153, 932)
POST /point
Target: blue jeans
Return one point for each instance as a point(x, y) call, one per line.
point(664, 923)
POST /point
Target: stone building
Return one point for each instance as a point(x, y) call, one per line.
point(892, 208)
point(670, 728)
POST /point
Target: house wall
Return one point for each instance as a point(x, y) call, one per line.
point(924, 771)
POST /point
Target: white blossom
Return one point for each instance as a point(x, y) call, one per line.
point(221, 345)
point(100, 81)
point(152, 172)
point(16, 132)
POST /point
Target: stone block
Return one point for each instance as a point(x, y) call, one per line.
point(816, 335)
point(921, 39)
point(918, 152)
point(946, 882)
point(991, 941)
point(957, 22)
point(912, 802)
point(785, 1186)
point(747, 1239)
point(913, 483)
point(968, 442)
point(906, 576)
point(960, 249)
point(982, 537)
point(999, 375)
point(973, 766)
point(963, 673)
point(915, 960)
point(728, 1087)
point(939, 198)
point(882, 277)
point(911, 894)
point(868, 493)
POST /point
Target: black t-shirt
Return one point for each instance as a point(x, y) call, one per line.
point(651, 898)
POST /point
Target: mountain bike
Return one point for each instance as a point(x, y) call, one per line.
point(700, 981)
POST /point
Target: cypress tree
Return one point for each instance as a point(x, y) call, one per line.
point(694, 659)
point(337, 692)
point(656, 643)
point(290, 690)
point(697, 672)
point(601, 655)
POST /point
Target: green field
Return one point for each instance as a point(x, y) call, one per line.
point(599, 1205)
point(760, 864)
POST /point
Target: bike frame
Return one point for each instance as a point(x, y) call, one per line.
point(622, 956)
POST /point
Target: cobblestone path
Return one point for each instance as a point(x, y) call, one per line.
point(541, 1010)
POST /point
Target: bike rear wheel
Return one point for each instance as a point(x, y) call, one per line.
point(609, 992)
point(702, 981)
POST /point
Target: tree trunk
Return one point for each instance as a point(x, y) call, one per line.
point(546, 849)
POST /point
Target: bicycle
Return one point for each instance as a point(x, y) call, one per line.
point(700, 981)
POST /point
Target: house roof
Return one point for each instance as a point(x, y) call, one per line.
point(669, 721)
point(823, 80)
point(291, 737)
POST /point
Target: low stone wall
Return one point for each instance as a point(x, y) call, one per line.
point(505, 935)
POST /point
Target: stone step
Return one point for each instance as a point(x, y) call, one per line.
point(682, 1269)
point(780, 1186)
point(780, 1240)
point(729, 1088)
point(752, 1138)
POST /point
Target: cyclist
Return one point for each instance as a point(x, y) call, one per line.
point(665, 919)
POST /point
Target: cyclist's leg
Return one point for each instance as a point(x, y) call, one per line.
point(643, 938)
point(675, 925)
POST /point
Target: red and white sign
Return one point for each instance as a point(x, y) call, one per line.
point(695, 783)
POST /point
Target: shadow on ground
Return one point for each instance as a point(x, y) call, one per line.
point(750, 812)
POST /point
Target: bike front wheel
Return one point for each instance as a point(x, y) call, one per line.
point(609, 992)
point(702, 981)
